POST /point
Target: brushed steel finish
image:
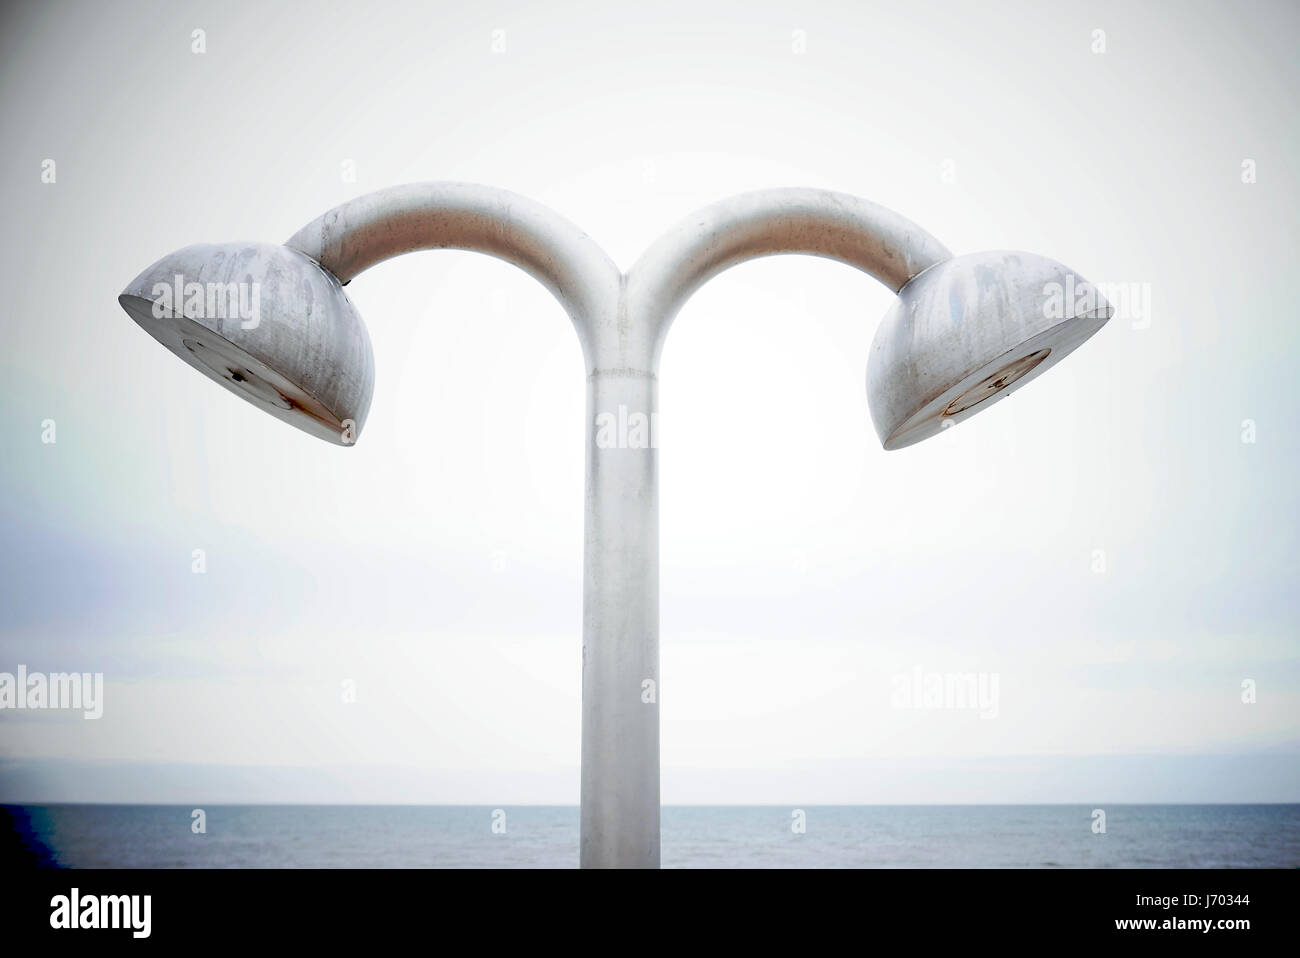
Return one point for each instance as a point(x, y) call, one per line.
point(965, 331)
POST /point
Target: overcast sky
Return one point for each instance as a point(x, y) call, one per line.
point(1104, 542)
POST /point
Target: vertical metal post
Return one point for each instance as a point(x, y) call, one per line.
point(620, 624)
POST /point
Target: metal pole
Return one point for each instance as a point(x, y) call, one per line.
point(964, 333)
point(620, 623)
point(621, 323)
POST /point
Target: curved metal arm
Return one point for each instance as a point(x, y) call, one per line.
point(838, 226)
point(380, 225)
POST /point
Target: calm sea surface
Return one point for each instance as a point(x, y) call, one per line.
point(981, 836)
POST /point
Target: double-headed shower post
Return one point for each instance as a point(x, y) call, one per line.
point(964, 332)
